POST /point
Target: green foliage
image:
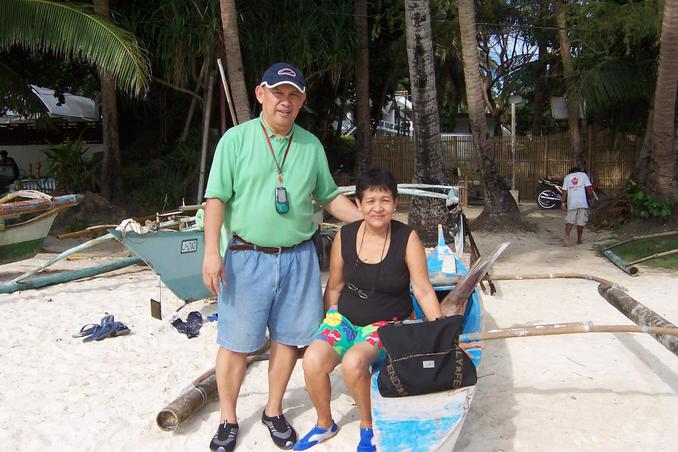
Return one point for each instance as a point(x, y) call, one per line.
point(639, 249)
point(74, 31)
point(648, 206)
point(73, 173)
point(169, 177)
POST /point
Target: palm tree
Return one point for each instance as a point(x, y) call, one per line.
point(362, 90)
point(500, 207)
point(72, 31)
point(662, 179)
point(425, 214)
point(236, 73)
point(109, 123)
point(568, 74)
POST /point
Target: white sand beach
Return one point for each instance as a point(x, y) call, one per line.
point(594, 392)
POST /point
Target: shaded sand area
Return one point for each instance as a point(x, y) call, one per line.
point(577, 392)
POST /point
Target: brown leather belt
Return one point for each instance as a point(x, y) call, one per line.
point(246, 246)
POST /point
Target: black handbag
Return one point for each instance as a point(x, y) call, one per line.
point(424, 357)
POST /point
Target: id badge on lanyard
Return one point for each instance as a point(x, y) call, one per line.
point(282, 205)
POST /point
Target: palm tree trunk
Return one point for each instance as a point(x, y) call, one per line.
point(568, 74)
point(362, 90)
point(540, 91)
point(234, 67)
point(425, 214)
point(641, 171)
point(499, 204)
point(110, 166)
point(539, 104)
point(664, 156)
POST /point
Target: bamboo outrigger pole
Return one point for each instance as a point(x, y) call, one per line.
point(565, 328)
point(640, 314)
point(529, 276)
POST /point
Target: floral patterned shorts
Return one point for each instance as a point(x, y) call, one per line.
point(341, 334)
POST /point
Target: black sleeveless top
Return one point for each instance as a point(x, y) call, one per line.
point(388, 297)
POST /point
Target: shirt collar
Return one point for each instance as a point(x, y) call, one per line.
point(268, 129)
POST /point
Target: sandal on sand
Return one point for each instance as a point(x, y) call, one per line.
point(90, 328)
point(120, 329)
point(86, 330)
point(103, 330)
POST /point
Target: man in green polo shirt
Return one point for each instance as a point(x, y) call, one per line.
point(265, 175)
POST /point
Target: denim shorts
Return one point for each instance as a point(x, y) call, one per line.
point(278, 291)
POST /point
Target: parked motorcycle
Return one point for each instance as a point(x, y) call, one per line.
point(550, 195)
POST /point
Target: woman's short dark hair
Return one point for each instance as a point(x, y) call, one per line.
point(376, 178)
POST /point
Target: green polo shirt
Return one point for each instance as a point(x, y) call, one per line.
point(244, 176)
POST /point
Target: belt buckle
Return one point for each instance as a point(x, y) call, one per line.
point(279, 250)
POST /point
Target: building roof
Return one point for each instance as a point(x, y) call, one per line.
point(74, 108)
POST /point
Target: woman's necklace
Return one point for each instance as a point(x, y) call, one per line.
point(360, 292)
point(383, 248)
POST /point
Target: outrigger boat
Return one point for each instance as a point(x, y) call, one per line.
point(176, 256)
point(22, 238)
point(430, 422)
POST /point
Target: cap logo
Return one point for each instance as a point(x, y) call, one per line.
point(287, 71)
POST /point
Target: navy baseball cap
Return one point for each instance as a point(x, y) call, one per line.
point(283, 73)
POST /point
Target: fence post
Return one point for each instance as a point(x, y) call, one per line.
point(546, 156)
point(591, 170)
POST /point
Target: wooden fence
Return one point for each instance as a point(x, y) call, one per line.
point(610, 157)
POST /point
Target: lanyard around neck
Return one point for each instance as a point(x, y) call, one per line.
point(270, 148)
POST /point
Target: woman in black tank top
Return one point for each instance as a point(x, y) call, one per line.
point(372, 265)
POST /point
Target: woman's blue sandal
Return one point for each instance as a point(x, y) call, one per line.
point(315, 436)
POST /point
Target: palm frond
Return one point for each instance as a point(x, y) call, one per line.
point(609, 84)
point(74, 31)
point(16, 95)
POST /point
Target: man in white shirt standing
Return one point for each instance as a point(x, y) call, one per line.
point(576, 187)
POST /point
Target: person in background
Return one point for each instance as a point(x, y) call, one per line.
point(576, 189)
point(6, 160)
point(264, 178)
point(373, 262)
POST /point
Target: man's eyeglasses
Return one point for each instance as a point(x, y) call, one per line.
point(361, 293)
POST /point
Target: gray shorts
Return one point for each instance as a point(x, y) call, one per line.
point(278, 291)
point(577, 216)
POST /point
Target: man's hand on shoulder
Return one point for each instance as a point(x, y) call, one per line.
point(343, 209)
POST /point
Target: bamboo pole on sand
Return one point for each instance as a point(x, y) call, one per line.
point(639, 314)
point(654, 256)
point(197, 395)
point(199, 392)
point(639, 237)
